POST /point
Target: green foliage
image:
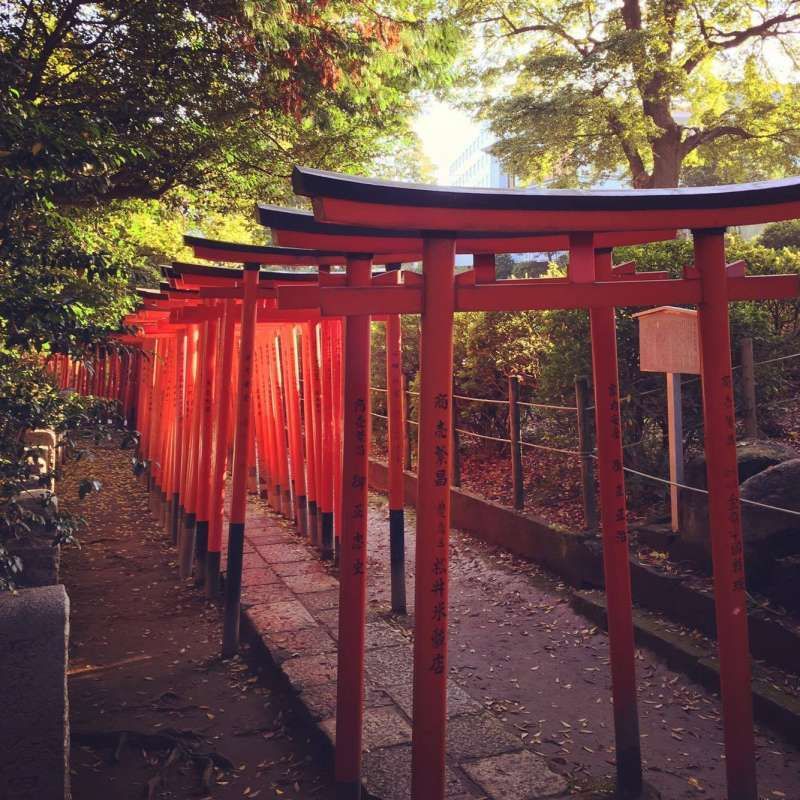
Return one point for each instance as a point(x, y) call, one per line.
point(661, 94)
point(108, 101)
point(781, 234)
point(29, 400)
point(57, 294)
point(548, 349)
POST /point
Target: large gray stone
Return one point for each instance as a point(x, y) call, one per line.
point(772, 532)
point(752, 458)
point(34, 711)
point(41, 559)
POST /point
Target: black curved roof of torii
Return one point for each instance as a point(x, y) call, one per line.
point(179, 268)
point(298, 221)
point(296, 256)
point(313, 182)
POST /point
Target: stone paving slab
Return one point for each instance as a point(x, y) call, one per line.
point(330, 618)
point(458, 701)
point(281, 553)
point(390, 666)
point(516, 776)
point(300, 568)
point(321, 601)
point(387, 774)
point(294, 609)
point(383, 727)
point(479, 735)
point(320, 700)
point(258, 594)
point(305, 671)
point(259, 575)
point(284, 645)
point(379, 634)
point(281, 616)
point(310, 583)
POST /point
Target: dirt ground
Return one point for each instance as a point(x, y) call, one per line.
point(155, 712)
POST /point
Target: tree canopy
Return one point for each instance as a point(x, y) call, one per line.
point(660, 93)
point(131, 99)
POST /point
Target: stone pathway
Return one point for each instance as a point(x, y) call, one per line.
point(291, 600)
point(529, 703)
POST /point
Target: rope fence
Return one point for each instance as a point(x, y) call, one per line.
point(697, 490)
point(492, 401)
point(593, 455)
point(588, 455)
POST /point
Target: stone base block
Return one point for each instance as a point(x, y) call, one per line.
point(34, 711)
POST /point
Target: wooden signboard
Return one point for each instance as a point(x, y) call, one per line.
point(668, 340)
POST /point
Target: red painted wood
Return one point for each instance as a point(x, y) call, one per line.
point(395, 410)
point(328, 473)
point(244, 400)
point(221, 414)
point(433, 523)
point(464, 244)
point(724, 514)
point(309, 422)
point(507, 221)
point(353, 546)
point(179, 412)
point(204, 479)
point(614, 525)
point(337, 391)
point(289, 360)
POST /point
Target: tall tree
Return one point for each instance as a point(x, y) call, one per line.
point(130, 98)
point(664, 91)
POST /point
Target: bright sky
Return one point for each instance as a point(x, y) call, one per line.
point(444, 131)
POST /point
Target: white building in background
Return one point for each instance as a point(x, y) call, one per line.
point(475, 166)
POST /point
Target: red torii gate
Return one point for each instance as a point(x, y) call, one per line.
point(299, 227)
point(444, 217)
point(569, 220)
point(199, 482)
point(327, 454)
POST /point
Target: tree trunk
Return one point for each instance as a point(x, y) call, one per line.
point(666, 160)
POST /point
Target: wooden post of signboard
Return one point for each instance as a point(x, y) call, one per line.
point(675, 435)
point(668, 342)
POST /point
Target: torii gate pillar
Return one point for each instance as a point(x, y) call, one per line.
point(724, 516)
point(433, 521)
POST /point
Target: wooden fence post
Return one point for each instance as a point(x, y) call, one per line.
point(410, 436)
point(585, 447)
point(455, 478)
point(516, 450)
point(749, 389)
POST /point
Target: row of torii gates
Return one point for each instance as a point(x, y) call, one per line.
point(222, 351)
